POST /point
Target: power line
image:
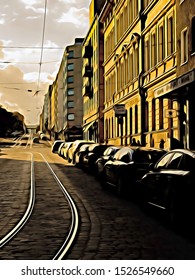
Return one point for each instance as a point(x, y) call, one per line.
point(45, 48)
point(26, 62)
point(42, 43)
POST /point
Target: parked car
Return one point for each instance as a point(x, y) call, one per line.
point(80, 154)
point(35, 140)
point(170, 185)
point(75, 147)
point(60, 152)
point(56, 145)
point(64, 149)
point(94, 152)
point(108, 154)
point(43, 137)
point(124, 171)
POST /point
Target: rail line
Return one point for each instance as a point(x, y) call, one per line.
point(74, 223)
point(27, 213)
point(75, 219)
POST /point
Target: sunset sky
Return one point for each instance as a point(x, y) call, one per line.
point(25, 67)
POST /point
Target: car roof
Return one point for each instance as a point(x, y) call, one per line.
point(184, 151)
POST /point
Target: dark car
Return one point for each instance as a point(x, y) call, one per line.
point(170, 185)
point(124, 171)
point(108, 154)
point(65, 149)
point(43, 137)
point(62, 151)
point(56, 145)
point(94, 152)
point(75, 147)
point(80, 154)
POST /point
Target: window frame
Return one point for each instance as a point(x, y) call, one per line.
point(70, 119)
point(184, 46)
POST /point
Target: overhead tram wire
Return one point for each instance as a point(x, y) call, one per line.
point(41, 57)
point(28, 47)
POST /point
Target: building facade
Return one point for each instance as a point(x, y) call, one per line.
point(63, 100)
point(137, 75)
point(93, 81)
point(140, 57)
point(72, 88)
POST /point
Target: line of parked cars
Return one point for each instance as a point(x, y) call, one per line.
point(155, 177)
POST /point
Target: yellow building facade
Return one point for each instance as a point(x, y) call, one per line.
point(93, 80)
point(139, 57)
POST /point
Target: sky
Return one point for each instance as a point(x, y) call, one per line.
point(33, 36)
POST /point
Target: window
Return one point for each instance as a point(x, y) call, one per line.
point(70, 91)
point(161, 43)
point(70, 104)
point(160, 113)
point(70, 66)
point(153, 50)
point(146, 55)
point(192, 34)
point(130, 121)
point(70, 54)
point(174, 162)
point(136, 119)
point(136, 61)
point(170, 36)
point(146, 116)
point(70, 117)
point(188, 164)
point(70, 79)
point(184, 46)
point(163, 162)
point(153, 114)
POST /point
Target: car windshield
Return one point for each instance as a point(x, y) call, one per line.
point(83, 147)
point(99, 149)
point(110, 151)
point(147, 155)
point(124, 152)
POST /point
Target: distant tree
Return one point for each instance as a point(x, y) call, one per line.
point(9, 122)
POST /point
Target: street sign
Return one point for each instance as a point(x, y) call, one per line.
point(119, 110)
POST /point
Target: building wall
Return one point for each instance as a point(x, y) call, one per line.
point(142, 59)
point(93, 83)
point(185, 21)
point(72, 88)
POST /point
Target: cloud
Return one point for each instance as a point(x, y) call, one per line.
point(10, 104)
point(2, 21)
point(21, 38)
point(74, 16)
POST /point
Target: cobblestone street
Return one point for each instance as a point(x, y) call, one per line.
point(110, 227)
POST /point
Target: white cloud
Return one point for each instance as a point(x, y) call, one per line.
point(75, 16)
point(10, 104)
point(21, 35)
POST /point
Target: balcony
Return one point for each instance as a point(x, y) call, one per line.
point(87, 71)
point(87, 52)
point(87, 91)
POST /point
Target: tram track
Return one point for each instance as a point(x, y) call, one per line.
point(49, 225)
